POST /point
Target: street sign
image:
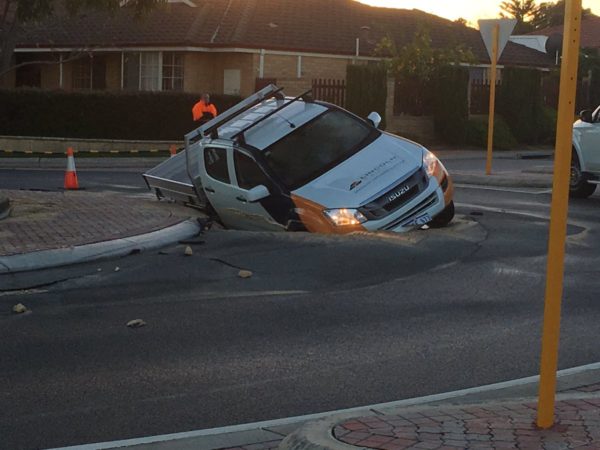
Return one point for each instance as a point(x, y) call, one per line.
point(486, 28)
point(495, 34)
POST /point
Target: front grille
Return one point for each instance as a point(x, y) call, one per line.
point(413, 213)
point(396, 197)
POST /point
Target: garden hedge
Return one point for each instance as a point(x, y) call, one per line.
point(520, 102)
point(100, 115)
point(451, 108)
point(366, 90)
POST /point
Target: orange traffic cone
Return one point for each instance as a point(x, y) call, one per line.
point(173, 150)
point(71, 174)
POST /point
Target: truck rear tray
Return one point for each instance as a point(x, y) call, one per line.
point(170, 180)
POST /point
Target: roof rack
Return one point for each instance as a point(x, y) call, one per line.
point(304, 96)
point(211, 127)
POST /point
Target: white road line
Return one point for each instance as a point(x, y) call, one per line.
point(290, 420)
point(502, 189)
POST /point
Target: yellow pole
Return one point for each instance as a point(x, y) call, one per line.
point(493, 70)
point(558, 216)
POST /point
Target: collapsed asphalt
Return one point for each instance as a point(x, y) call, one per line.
point(381, 319)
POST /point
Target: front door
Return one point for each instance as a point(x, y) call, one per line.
point(229, 200)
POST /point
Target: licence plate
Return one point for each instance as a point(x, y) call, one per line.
point(422, 220)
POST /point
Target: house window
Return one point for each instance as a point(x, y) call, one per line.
point(89, 73)
point(82, 74)
point(172, 71)
point(149, 71)
point(153, 71)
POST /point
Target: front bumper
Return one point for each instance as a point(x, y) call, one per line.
point(430, 201)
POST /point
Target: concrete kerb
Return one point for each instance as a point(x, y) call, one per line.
point(101, 250)
point(503, 180)
point(318, 435)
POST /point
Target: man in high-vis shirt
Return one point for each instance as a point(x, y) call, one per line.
point(204, 110)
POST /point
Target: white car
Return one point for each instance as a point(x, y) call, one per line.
point(585, 163)
point(279, 163)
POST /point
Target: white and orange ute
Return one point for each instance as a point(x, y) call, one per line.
point(279, 163)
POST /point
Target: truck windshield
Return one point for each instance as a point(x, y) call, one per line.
point(317, 146)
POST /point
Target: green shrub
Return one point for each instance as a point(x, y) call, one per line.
point(366, 90)
point(477, 131)
point(547, 125)
point(101, 115)
point(451, 109)
point(520, 103)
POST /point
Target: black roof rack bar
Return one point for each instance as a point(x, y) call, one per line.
point(266, 116)
point(213, 125)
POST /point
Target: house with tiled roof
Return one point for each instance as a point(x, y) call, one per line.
point(224, 46)
point(230, 46)
point(590, 32)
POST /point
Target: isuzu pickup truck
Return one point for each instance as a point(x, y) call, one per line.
point(585, 162)
point(279, 163)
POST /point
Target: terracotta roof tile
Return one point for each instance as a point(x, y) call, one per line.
point(321, 26)
point(590, 31)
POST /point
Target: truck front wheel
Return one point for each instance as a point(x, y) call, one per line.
point(579, 186)
point(443, 218)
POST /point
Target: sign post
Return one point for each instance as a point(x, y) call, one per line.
point(495, 34)
point(493, 76)
point(558, 215)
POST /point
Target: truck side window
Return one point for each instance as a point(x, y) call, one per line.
point(248, 173)
point(215, 161)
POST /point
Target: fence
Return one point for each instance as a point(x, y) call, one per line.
point(413, 97)
point(332, 91)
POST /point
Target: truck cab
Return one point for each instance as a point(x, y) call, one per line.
point(585, 162)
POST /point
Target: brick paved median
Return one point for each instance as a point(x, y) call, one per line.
point(497, 426)
point(51, 220)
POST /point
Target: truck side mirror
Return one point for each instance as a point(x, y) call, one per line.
point(586, 116)
point(375, 119)
point(257, 193)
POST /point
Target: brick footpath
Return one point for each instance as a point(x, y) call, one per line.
point(492, 426)
point(51, 220)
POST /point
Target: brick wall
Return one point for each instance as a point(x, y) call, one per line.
point(244, 62)
point(417, 128)
point(284, 69)
point(113, 71)
point(199, 72)
point(50, 73)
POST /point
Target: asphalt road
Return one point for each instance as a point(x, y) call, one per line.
point(124, 180)
point(324, 323)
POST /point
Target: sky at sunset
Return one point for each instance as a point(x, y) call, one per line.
point(468, 9)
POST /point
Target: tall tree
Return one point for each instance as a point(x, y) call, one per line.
point(16, 13)
point(550, 14)
point(522, 10)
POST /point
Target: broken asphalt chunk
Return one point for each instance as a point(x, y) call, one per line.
point(136, 323)
point(19, 308)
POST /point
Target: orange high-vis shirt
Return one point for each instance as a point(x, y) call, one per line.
point(200, 108)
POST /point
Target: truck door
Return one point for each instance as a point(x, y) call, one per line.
point(590, 143)
point(232, 203)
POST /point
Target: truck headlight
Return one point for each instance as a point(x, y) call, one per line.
point(344, 217)
point(430, 162)
point(433, 165)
